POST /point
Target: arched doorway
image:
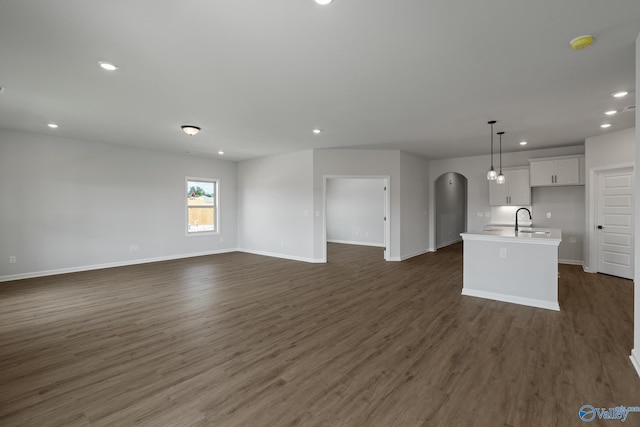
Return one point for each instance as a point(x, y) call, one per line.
point(451, 208)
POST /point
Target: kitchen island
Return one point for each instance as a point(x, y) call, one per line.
point(519, 267)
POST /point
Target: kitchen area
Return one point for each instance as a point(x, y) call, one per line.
point(514, 257)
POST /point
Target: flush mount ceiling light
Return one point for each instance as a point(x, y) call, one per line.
point(323, 2)
point(492, 174)
point(501, 178)
point(620, 94)
point(53, 125)
point(221, 152)
point(190, 129)
point(108, 66)
point(581, 42)
point(317, 131)
point(610, 113)
point(605, 125)
point(523, 142)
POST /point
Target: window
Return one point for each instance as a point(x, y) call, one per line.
point(202, 205)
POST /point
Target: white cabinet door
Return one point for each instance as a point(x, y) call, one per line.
point(515, 190)
point(557, 171)
point(567, 172)
point(519, 188)
point(498, 195)
point(542, 173)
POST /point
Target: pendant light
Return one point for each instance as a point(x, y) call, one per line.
point(492, 174)
point(501, 178)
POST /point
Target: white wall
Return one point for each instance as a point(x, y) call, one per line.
point(566, 205)
point(71, 205)
point(635, 354)
point(360, 163)
point(475, 170)
point(603, 151)
point(414, 208)
point(355, 211)
point(275, 206)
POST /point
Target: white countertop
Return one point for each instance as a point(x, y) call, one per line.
point(551, 236)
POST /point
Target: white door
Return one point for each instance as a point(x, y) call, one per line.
point(614, 222)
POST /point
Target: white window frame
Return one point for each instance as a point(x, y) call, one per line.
point(216, 207)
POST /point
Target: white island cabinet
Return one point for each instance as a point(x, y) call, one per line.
point(517, 267)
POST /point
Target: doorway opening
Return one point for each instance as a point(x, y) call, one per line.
point(357, 212)
point(451, 208)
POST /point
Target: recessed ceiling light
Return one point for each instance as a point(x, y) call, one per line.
point(108, 66)
point(581, 42)
point(523, 142)
point(317, 131)
point(610, 113)
point(53, 125)
point(620, 94)
point(221, 152)
point(605, 125)
point(323, 2)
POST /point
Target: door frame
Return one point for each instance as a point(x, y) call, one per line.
point(387, 210)
point(594, 175)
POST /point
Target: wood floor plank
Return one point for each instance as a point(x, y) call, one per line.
point(243, 340)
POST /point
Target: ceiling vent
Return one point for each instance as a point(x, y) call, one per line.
point(629, 109)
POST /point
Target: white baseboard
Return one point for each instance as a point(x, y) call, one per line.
point(420, 252)
point(351, 242)
point(444, 245)
point(53, 272)
point(281, 256)
point(571, 262)
point(512, 299)
point(635, 360)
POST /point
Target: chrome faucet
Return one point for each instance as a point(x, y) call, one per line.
point(517, 216)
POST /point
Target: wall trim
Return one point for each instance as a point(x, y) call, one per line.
point(443, 245)
point(352, 242)
point(571, 262)
point(281, 256)
point(635, 360)
point(512, 299)
point(414, 254)
point(82, 268)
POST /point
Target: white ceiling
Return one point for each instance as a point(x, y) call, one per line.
point(258, 76)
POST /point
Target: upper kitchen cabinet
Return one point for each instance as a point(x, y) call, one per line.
point(554, 171)
point(515, 191)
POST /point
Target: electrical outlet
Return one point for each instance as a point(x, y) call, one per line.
point(480, 214)
point(132, 247)
point(136, 247)
point(221, 239)
point(12, 260)
point(503, 252)
point(548, 214)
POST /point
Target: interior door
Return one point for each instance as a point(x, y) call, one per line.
point(614, 221)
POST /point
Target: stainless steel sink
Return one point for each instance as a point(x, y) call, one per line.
point(534, 231)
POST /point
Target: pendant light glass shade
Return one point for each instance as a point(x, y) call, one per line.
point(492, 174)
point(501, 179)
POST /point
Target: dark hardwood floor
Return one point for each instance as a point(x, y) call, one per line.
point(245, 340)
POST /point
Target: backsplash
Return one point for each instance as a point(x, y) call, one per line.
point(506, 215)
